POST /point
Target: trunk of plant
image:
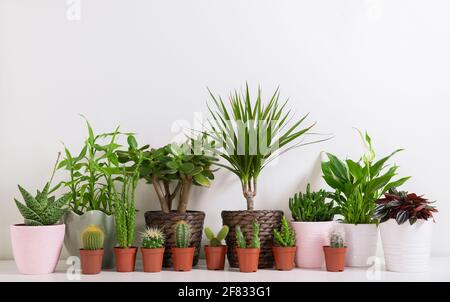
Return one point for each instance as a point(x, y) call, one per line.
point(163, 201)
point(185, 194)
point(249, 193)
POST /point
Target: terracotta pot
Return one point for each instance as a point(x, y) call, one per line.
point(311, 237)
point(183, 258)
point(167, 221)
point(335, 258)
point(284, 257)
point(125, 259)
point(215, 257)
point(152, 259)
point(91, 261)
point(248, 259)
point(36, 249)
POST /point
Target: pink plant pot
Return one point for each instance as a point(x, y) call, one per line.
point(310, 238)
point(36, 249)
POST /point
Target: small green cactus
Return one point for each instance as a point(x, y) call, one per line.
point(255, 242)
point(182, 234)
point(152, 238)
point(216, 240)
point(337, 239)
point(93, 238)
point(285, 237)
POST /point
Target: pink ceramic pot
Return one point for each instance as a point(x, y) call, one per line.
point(310, 238)
point(37, 249)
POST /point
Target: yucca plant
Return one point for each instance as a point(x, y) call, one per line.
point(312, 206)
point(251, 134)
point(358, 184)
point(285, 237)
point(42, 209)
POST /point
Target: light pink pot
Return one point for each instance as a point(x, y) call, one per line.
point(36, 249)
point(310, 238)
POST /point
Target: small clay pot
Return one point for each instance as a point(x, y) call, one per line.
point(215, 257)
point(152, 259)
point(91, 261)
point(335, 258)
point(183, 258)
point(248, 259)
point(125, 259)
point(284, 257)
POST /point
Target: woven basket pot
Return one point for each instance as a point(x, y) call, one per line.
point(166, 222)
point(267, 219)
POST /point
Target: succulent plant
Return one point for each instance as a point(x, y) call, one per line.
point(337, 239)
point(403, 206)
point(182, 234)
point(216, 240)
point(285, 237)
point(152, 238)
point(312, 206)
point(42, 209)
point(92, 238)
point(255, 241)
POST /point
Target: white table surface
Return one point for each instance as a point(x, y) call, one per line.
point(439, 271)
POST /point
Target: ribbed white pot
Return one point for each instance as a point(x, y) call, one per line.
point(310, 238)
point(361, 241)
point(406, 247)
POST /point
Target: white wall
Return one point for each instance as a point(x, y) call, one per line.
point(378, 65)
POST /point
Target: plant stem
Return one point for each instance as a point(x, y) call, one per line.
point(162, 198)
point(185, 194)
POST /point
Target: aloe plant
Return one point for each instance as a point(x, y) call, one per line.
point(358, 184)
point(252, 134)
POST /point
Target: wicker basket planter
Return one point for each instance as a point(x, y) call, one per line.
point(267, 219)
point(166, 222)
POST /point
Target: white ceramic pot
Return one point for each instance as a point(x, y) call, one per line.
point(37, 249)
point(406, 247)
point(361, 241)
point(310, 238)
point(77, 223)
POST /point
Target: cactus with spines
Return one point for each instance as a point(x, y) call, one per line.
point(152, 238)
point(337, 239)
point(285, 237)
point(216, 240)
point(93, 238)
point(255, 241)
point(182, 234)
point(240, 239)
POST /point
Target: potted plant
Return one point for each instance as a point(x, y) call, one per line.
point(358, 185)
point(248, 256)
point(182, 252)
point(37, 243)
point(335, 252)
point(284, 250)
point(91, 255)
point(216, 251)
point(173, 170)
point(90, 187)
point(406, 228)
point(152, 249)
point(250, 134)
point(313, 214)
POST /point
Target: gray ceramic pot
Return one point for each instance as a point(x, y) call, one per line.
point(75, 224)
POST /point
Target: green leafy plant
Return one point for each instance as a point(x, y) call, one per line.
point(216, 240)
point(359, 184)
point(91, 172)
point(42, 209)
point(182, 165)
point(92, 238)
point(182, 234)
point(153, 238)
point(403, 206)
point(254, 242)
point(312, 206)
point(285, 237)
point(337, 239)
point(252, 134)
